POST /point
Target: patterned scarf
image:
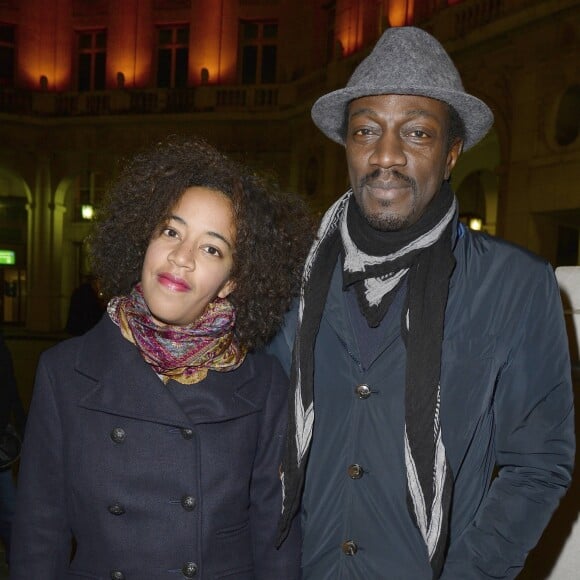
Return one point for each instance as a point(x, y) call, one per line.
point(375, 263)
point(182, 353)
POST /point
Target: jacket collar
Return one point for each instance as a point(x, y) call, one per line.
point(126, 385)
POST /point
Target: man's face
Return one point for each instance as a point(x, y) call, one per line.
point(398, 155)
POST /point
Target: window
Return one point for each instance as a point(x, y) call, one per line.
point(92, 56)
point(7, 51)
point(259, 45)
point(172, 56)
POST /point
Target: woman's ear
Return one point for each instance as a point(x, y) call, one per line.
point(227, 289)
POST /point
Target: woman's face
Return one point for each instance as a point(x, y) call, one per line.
point(189, 260)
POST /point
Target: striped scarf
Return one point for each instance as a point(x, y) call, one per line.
point(182, 353)
point(375, 263)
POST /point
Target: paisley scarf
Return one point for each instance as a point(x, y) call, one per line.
point(182, 353)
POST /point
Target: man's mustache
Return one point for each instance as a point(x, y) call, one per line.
point(389, 176)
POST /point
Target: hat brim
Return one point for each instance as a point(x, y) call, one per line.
point(329, 112)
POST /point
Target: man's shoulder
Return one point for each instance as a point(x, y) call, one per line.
point(497, 255)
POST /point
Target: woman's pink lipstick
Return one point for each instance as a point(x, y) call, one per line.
point(173, 282)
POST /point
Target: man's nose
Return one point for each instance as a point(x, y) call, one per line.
point(388, 151)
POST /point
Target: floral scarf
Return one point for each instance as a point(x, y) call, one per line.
point(181, 353)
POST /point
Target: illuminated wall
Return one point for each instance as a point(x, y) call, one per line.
point(214, 41)
point(45, 44)
point(400, 12)
point(349, 25)
point(129, 40)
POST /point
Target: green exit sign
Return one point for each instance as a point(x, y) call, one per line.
point(7, 258)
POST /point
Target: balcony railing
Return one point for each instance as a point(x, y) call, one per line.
point(158, 101)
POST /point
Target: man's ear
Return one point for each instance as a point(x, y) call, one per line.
point(452, 156)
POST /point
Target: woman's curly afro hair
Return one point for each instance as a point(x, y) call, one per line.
point(273, 229)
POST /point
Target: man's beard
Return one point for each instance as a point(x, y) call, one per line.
point(386, 221)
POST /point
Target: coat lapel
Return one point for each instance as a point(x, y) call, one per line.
point(126, 385)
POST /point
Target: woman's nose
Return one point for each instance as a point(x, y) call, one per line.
point(182, 256)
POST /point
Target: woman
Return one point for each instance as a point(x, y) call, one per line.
point(154, 440)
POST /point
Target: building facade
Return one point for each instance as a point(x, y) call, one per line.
point(85, 83)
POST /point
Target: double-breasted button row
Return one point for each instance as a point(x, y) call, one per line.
point(118, 435)
point(349, 547)
point(189, 569)
point(116, 509)
point(363, 391)
point(187, 433)
point(188, 502)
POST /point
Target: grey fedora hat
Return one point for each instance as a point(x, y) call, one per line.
point(405, 61)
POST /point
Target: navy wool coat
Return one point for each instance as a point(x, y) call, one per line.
point(147, 492)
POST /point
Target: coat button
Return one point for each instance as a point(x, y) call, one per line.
point(189, 569)
point(116, 509)
point(363, 391)
point(117, 575)
point(187, 433)
point(355, 471)
point(349, 547)
point(188, 503)
point(118, 435)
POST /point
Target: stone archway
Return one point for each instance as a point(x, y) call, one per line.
point(476, 182)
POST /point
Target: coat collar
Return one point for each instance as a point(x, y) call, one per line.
point(126, 385)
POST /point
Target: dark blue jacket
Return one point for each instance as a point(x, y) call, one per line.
point(506, 415)
point(147, 492)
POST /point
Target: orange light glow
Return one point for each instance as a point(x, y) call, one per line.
point(214, 27)
point(400, 12)
point(44, 49)
point(349, 26)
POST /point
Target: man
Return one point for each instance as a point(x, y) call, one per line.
point(432, 426)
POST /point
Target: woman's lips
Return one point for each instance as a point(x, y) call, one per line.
point(173, 282)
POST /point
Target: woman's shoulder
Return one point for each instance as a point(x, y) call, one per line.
point(262, 363)
point(93, 345)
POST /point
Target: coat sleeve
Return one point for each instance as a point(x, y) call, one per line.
point(266, 490)
point(41, 538)
point(534, 444)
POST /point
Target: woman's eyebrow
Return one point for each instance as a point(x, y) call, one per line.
point(209, 233)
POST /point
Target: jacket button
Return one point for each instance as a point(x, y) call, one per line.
point(363, 391)
point(349, 547)
point(116, 509)
point(188, 503)
point(117, 575)
point(355, 471)
point(187, 433)
point(118, 435)
point(189, 569)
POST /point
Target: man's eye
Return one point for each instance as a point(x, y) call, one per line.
point(363, 132)
point(418, 133)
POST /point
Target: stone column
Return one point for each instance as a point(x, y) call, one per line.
point(40, 251)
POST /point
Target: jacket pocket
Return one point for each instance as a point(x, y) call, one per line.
point(245, 573)
point(241, 528)
point(233, 546)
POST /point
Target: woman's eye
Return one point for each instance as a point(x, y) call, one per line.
point(212, 251)
point(170, 232)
